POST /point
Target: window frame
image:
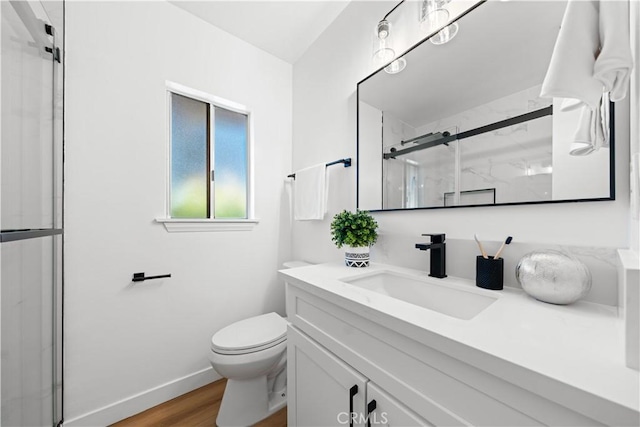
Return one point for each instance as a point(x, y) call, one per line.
point(210, 223)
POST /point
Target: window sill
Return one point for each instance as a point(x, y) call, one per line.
point(181, 225)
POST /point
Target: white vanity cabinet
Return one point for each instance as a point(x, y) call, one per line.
point(338, 339)
point(324, 391)
point(387, 411)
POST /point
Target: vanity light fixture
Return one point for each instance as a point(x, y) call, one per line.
point(433, 16)
point(383, 52)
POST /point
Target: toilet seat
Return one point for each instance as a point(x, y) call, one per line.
point(250, 335)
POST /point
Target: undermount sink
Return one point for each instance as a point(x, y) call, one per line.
point(425, 293)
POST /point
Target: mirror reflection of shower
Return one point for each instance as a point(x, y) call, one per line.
point(511, 145)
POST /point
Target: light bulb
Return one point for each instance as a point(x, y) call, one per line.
point(383, 29)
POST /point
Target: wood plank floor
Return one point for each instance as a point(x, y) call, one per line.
point(198, 408)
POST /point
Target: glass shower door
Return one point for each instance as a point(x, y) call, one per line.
point(30, 217)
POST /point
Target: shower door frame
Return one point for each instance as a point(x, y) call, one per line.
point(46, 37)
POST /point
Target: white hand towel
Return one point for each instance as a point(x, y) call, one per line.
point(588, 136)
point(570, 73)
point(310, 193)
point(592, 130)
point(614, 63)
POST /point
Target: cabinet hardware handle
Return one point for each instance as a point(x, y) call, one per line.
point(370, 408)
point(352, 392)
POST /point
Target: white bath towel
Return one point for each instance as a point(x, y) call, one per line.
point(591, 58)
point(592, 53)
point(310, 193)
point(570, 73)
point(614, 63)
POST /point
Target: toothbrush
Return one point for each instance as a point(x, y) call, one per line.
point(506, 242)
point(484, 254)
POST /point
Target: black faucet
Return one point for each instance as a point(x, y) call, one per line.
point(438, 254)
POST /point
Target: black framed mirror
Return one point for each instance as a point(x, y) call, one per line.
point(464, 124)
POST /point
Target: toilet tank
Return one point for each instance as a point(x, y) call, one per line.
point(295, 264)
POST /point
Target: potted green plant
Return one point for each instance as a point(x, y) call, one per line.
point(357, 231)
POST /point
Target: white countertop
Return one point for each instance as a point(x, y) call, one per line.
point(581, 345)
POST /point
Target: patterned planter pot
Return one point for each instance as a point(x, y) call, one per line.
point(357, 257)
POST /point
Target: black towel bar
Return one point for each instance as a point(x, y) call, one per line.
point(347, 163)
point(139, 277)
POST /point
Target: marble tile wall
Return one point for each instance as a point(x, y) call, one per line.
point(396, 249)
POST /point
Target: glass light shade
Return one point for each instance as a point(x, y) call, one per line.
point(383, 56)
point(446, 34)
point(434, 19)
point(396, 66)
point(383, 52)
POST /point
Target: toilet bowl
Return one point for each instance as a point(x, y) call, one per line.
point(251, 354)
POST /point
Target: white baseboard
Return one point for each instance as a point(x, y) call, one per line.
point(142, 401)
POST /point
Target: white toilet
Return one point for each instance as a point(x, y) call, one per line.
point(252, 355)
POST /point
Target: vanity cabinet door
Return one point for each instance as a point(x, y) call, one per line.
point(389, 412)
point(322, 389)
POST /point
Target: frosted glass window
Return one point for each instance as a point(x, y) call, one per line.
point(230, 164)
point(209, 158)
point(189, 158)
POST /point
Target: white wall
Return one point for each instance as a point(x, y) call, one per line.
point(129, 346)
point(324, 116)
point(370, 131)
point(324, 85)
point(587, 175)
point(635, 124)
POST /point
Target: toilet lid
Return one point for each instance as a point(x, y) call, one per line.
point(250, 334)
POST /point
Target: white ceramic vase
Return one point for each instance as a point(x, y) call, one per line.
point(357, 256)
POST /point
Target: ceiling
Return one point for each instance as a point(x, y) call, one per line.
point(285, 29)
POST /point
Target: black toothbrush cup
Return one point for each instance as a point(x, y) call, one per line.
point(490, 269)
point(489, 273)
